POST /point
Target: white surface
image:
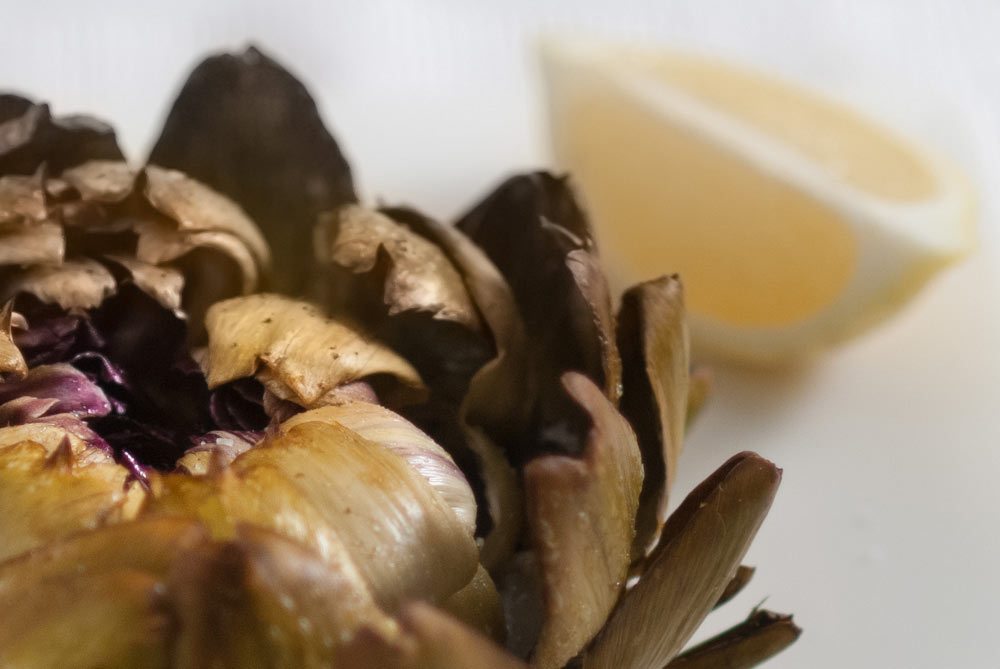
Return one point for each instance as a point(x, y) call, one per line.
point(884, 537)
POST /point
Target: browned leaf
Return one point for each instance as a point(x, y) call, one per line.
point(12, 364)
point(736, 584)
point(298, 354)
point(582, 513)
point(532, 229)
point(377, 270)
point(496, 411)
point(248, 128)
point(760, 637)
point(30, 136)
point(697, 556)
point(653, 340)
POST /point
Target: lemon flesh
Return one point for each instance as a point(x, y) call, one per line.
point(793, 221)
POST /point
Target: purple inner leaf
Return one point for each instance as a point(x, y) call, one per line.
point(125, 369)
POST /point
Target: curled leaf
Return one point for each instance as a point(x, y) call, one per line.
point(341, 495)
point(698, 554)
point(378, 270)
point(73, 285)
point(653, 341)
point(12, 364)
point(249, 129)
point(581, 512)
point(761, 636)
point(532, 229)
point(395, 433)
point(495, 414)
point(45, 496)
point(297, 353)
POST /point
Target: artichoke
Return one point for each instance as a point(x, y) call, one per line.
point(250, 421)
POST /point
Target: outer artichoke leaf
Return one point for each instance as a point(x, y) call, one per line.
point(444, 643)
point(350, 500)
point(389, 429)
point(760, 637)
point(43, 499)
point(116, 620)
point(30, 136)
point(582, 513)
point(430, 639)
point(736, 584)
point(653, 340)
point(305, 354)
point(406, 542)
point(248, 128)
point(697, 556)
point(104, 181)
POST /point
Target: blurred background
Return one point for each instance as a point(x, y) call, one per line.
point(885, 537)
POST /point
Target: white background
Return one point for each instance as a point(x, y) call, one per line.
point(885, 537)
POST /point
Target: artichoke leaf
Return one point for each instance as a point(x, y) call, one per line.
point(46, 496)
point(304, 352)
point(39, 243)
point(478, 605)
point(429, 639)
point(22, 200)
point(376, 268)
point(74, 285)
point(389, 429)
point(12, 364)
point(698, 554)
point(532, 229)
point(163, 284)
point(263, 600)
point(103, 181)
point(581, 512)
point(248, 128)
point(196, 208)
point(760, 637)
point(350, 500)
point(653, 341)
point(114, 620)
point(495, 413)
point(736, 584)
point(30, 137)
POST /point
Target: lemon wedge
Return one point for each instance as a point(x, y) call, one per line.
point(794, 221)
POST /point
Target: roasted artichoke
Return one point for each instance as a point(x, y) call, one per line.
point(395, 443)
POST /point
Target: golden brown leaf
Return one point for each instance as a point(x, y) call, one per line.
point(698, 554)
point(45, 496)
point(341, 495)
point(394, 432)
point(73, 285)
point(582, 513)
point(12, 364)
point(298, 353)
